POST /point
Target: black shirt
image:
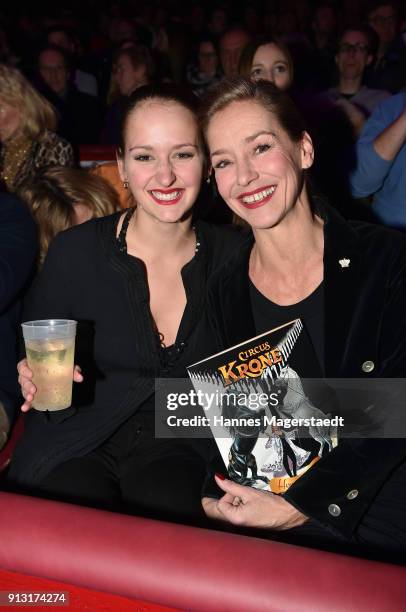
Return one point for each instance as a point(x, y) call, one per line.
point(268, 315)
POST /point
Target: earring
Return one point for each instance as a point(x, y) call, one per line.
point(125, 184)
point(208, 179)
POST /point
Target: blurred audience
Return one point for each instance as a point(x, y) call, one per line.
point(79, 113)
point(62, 197)
point(385, 73)
point(339, 60)
point(354, 54)
point(64, 38)
point(381, 162)
point(132, 68)
point(323, 39)
point(27, 124)
point(232, 43)
point(204, 71)
point(217, 21)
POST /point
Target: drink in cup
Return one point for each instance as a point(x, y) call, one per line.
point(50, 348)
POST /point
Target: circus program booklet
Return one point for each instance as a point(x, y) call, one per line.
point(271, 424)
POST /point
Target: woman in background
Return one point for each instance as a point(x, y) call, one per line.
point(132, 68)
point(205, 70)
point(27, 124)
point(60, 198)
point(270, 60)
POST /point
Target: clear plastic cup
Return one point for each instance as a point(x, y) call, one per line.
point(50, 348)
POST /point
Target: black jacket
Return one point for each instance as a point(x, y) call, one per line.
point(18, 246)
point(86, 277)
point(364, 319)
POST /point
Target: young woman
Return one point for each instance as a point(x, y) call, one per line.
point(135, 282)
point(269, 60)
point(346, 281)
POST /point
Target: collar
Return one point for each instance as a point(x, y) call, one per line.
point(341, 282)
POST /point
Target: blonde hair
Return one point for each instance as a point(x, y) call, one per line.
point(37, 114)
point(53, 194)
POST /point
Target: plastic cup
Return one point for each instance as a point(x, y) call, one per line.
point(50, 348)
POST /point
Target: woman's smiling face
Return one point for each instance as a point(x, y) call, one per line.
point(258, 168)
point(271, 64)
point(162, 160)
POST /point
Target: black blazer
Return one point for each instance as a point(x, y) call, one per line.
point(18, 246)
point(87, 277)
point(365, 320)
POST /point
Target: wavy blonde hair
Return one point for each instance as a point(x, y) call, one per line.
point(53, 194)
point(37, 114)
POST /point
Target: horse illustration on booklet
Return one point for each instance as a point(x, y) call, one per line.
point(258, 392)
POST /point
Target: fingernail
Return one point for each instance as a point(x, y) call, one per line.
point(220, 476)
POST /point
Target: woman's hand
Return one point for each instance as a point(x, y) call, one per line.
point(249, 507)
point(28, 389)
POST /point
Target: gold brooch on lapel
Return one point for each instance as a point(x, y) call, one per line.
point(345, 262)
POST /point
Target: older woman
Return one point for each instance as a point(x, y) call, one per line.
point(347, 283)
point(27, 122)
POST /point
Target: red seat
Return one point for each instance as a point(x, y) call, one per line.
point(185, 567)
point(5, 454)
point(91, 154)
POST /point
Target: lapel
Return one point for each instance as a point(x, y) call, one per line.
point(235, 302)
point(341, 286)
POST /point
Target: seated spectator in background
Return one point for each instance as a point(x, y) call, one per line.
point(60, 198)
point(382, 17)
point(232, 44)
point(217, 21)
point(323, 38)
point(118, 31)
point(64, 38)
point(381, 162)
point(7, 56)
point(18, 246)
point(132, 68)
point(27, 121)
point(354, 54)
point(268, 59)
point(205, 70)
point(79, 113)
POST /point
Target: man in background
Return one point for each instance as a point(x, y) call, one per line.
point(79, 113)
point(232, 43)
point(381, 162)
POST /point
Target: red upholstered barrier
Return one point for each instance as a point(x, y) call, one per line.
point(77, 598)
point(90, 154)
point(7, 451)
point(185, 567)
